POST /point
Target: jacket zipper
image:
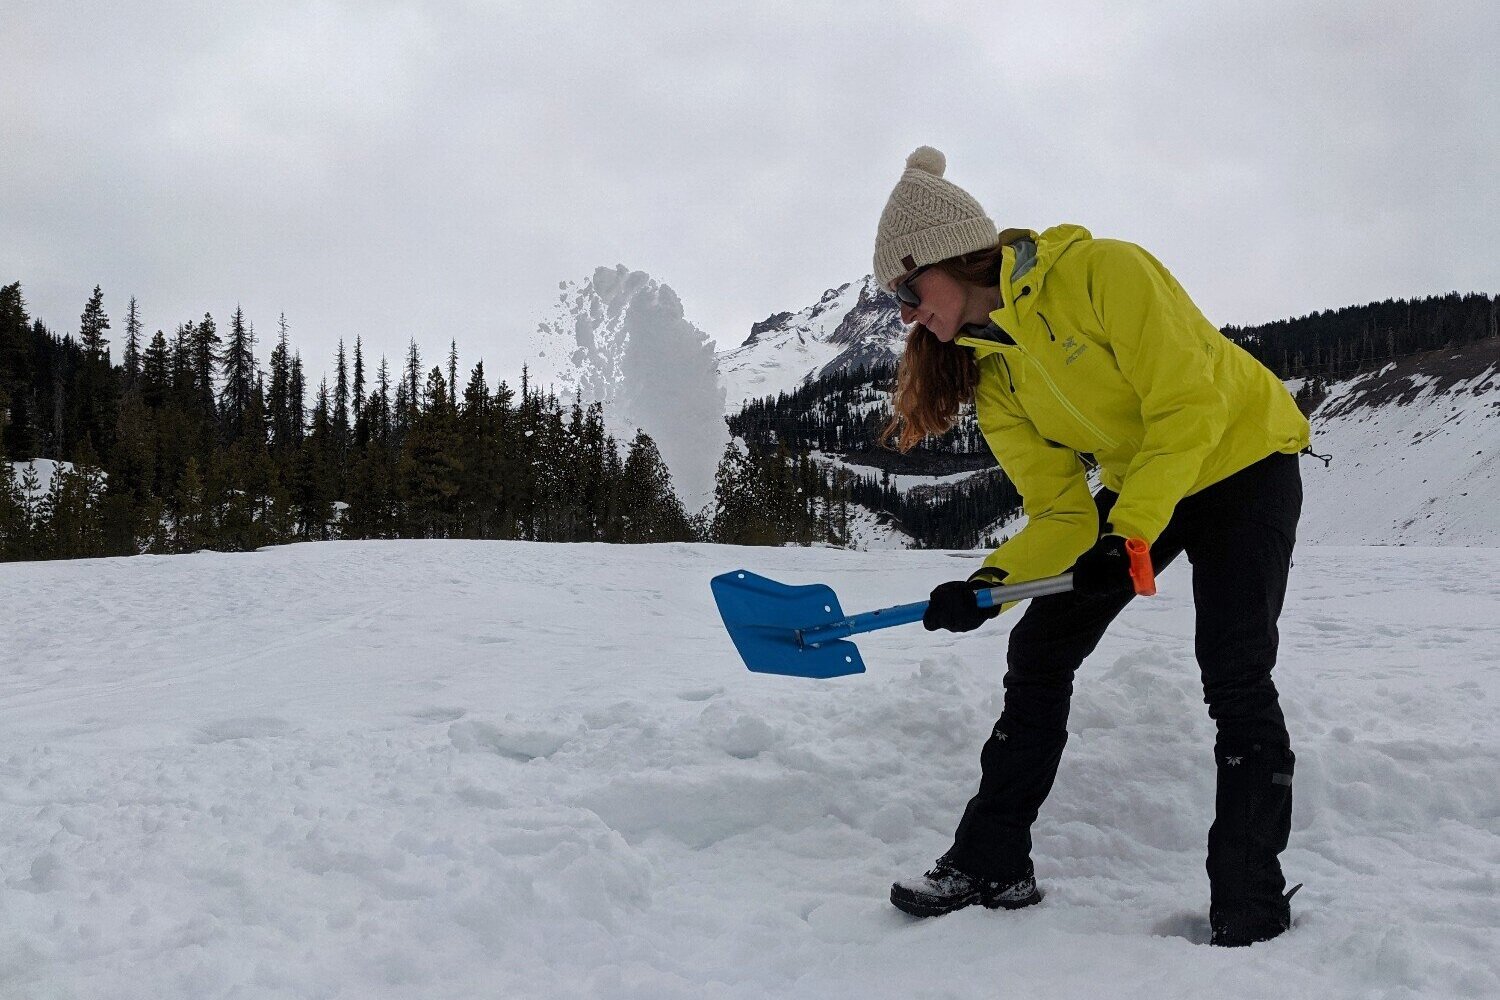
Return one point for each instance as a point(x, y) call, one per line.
point(1067, 404)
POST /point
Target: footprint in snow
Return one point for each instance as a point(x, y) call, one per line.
point(438, 713)
point(244, 728)
point(1192, 926)
point(517, 744)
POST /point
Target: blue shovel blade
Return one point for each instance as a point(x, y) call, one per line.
point(763, 617)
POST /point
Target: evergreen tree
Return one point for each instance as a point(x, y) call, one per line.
point(482, 489)
point(652, 512)
point(361, 420)
point(184, 376)
point(414, 401)
point(341, 403)
point(313, 492)
point(204, 339)
point(18, 377)
point(453, 374)
point(91, 327)
point(15, 524)
point(132, 344)
point(381, 422)
point(401, 411)
point(296, 403)
point(31, 514)
point(240, 376)
point(131, 487)
point(192, 524)
point(94, 387)
point(70, 515)
point(156, 372)
point(279, 394)
point(433, 471)
point(736, 510)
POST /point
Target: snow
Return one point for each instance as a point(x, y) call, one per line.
point(788, 353)
point(502, 769)
point(1420, 468)
point(871, 531)
point(901, 481)
point(46, 469)
point(620, 338)
point(783, 358)
point(748, 375)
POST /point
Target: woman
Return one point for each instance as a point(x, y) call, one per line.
point(1072, 347)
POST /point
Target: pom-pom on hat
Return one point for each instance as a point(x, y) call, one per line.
point(927, 219)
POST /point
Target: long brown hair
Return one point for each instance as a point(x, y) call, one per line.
point(934, 379)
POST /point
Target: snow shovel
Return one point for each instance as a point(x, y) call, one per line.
point(800, 631)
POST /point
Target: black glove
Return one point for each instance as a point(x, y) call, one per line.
point(1104, 570)
point(954, 607)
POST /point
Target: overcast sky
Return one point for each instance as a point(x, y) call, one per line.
point(399, 169)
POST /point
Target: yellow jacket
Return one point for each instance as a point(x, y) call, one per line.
point(1097, 350)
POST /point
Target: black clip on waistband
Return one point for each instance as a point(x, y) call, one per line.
point(1327, 459)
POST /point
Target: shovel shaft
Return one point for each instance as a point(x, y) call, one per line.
point(996, 596)
point(869, 621)
point(902, 614)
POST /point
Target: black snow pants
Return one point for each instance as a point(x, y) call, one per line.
point(1238, 534)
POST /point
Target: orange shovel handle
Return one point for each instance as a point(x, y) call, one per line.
point(1141, 572)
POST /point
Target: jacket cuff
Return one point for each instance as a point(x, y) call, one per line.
point(1127, 531)
point(989, 576)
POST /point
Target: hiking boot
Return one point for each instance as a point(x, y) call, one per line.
point(945, 889)
point(1236, 927)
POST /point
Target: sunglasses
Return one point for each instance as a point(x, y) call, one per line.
point(907, 295)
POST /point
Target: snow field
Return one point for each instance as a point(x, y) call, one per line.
point(470, 769)
point(1420, 468)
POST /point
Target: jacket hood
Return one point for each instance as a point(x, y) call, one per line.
point(1035, 253)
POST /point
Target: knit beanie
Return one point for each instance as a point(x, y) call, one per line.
point(927, 219)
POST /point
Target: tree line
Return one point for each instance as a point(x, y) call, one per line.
point(778, 496)
point(843, 412)
point(1338, 343)
point(189, 444)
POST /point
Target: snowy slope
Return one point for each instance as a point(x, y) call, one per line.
point(468, 769)
point(851, 326)
point(1416, 454)
point(871, 531)
point(900, 481)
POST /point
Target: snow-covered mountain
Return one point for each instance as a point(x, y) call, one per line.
point(851, 326)
point(620, 338)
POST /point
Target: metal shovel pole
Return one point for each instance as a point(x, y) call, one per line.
point(904, 614)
